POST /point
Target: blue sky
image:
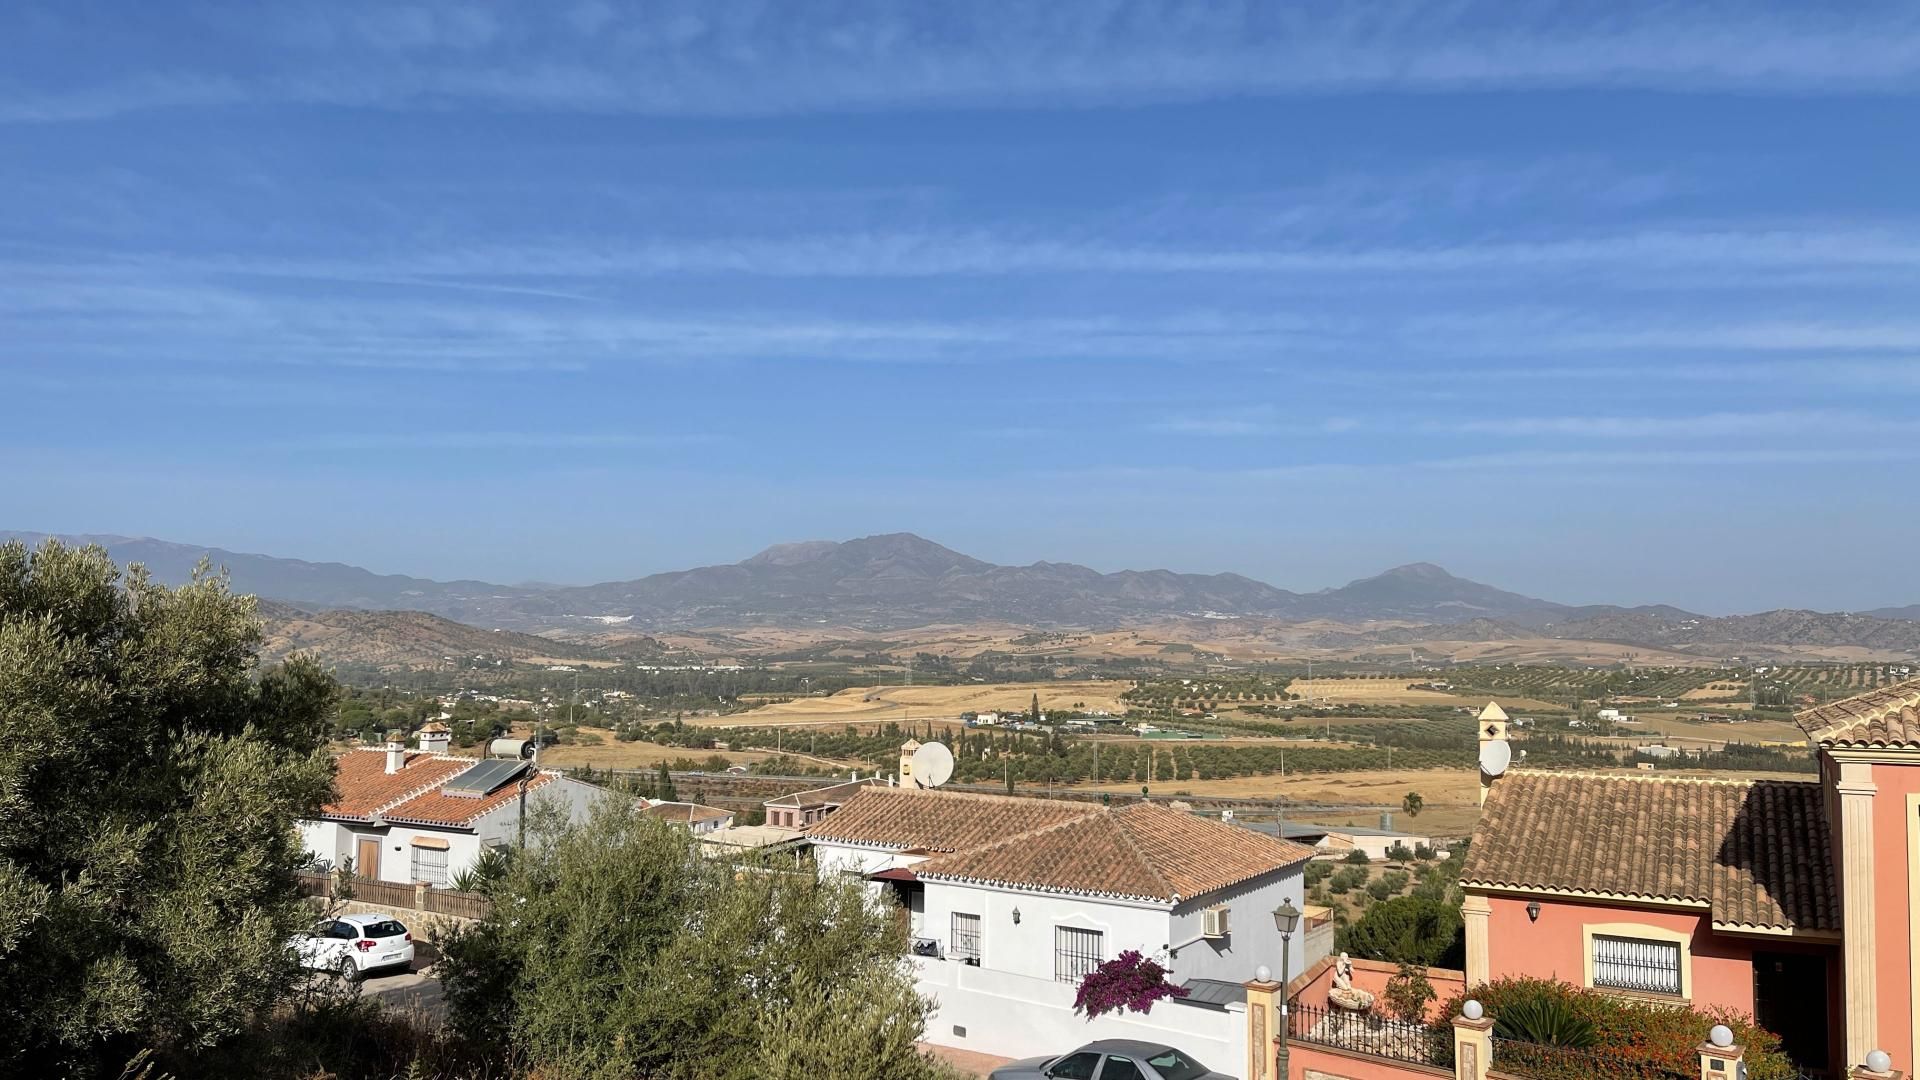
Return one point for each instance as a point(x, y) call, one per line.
point(1601, 302)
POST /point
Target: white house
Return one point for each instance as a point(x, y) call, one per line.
point(1012, 901)
point(410, 816)
point(700, 818)
point(803, 808)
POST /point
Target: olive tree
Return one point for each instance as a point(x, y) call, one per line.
point(615, 949)
point(150, 776)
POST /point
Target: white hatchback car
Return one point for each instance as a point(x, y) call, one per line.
point(355, 944)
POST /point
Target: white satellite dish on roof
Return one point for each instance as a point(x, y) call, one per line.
point(932, 765)
point(1495, 757)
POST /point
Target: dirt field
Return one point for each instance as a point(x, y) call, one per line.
point(1451, 795)
point(1660, 722)
point(613, 754)
point(862, 705)
point(1394, 692)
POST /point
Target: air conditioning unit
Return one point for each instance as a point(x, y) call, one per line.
point(1213, 922)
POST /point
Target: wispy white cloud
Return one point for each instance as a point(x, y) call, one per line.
point(751, 57)
point(495, 440)
point(1792, 422)
point(1707, 253)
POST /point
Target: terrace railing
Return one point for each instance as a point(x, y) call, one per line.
point(1373, 1034)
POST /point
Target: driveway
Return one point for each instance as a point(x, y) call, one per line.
point(417, 989)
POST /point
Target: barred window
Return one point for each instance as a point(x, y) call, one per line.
point(430, 866)
point(1650, 967)
point(1076, 953)
point(966, 937)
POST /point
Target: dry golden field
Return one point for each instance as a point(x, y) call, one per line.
point(873, 704)
point(613, 754)
point(1395, 692)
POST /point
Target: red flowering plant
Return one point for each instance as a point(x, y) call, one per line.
point(1128, 982)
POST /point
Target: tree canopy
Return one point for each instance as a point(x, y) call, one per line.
point(615, 949)
point(150, 776)
point(1407, 929)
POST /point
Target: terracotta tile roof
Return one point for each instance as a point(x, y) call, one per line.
point(365, 788)
point(1755, 852)
point(938, 820)
point(436, 807)
point(1886, 717)
point(1143, 851)
point(684, 813)
point(822, 796)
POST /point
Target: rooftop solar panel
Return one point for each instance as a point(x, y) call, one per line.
point(485, 778)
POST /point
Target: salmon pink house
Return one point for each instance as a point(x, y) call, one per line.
point(1794, 902)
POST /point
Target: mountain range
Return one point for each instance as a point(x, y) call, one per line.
point(900, 580)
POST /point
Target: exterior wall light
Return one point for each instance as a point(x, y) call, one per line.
point(1016, 916)
point(1533, 911)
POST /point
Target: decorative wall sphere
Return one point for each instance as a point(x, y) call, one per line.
point(1472, 1010)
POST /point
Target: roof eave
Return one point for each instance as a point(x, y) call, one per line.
point(1053, 890)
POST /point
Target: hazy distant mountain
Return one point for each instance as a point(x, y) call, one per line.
point(892, 580)
point(901, 580)
point(326, 585)
point(1911, 612)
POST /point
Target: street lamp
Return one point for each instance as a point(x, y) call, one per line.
point(1286, 918)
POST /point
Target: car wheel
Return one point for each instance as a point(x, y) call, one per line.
point(348, 970)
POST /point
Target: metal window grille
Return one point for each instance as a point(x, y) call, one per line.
point(1076, 953)
point(1650, 967)
point(430, 866)
point(966, 936)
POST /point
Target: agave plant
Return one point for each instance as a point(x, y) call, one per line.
point(1543, 1019)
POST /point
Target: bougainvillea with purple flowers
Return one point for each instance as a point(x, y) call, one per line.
point(1127, 983)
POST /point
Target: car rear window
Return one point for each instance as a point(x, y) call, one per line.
point(388, 928)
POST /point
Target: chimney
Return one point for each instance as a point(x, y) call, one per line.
point(435, 738)
point(906, 762)
point(396, 753)
point(1493, 729)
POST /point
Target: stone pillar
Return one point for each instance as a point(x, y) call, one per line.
point(1475, 911)
point(1472, 1045)
point(1856, 789)
point(1261, 1028)
point(1721, 1062)
point(1868, 1072)
point(420, 895)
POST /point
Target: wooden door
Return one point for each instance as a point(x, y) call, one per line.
point(366, 859)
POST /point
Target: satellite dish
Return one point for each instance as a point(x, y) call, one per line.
point(1495, 757)
point(932, 765)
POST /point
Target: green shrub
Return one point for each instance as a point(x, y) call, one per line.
point(1629, 1038)
point(1408, 993)
point(1318, 871)
point(1356, 857)
point(1399, 852)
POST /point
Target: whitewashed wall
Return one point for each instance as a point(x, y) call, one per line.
point(1252, 940)
point(1026, 948)
point(1015, 1016)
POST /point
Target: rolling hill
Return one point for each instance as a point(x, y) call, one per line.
point(899, 580)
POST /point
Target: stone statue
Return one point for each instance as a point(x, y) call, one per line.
point(1343, 995)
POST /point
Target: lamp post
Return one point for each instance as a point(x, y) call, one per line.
point(1286, 918)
